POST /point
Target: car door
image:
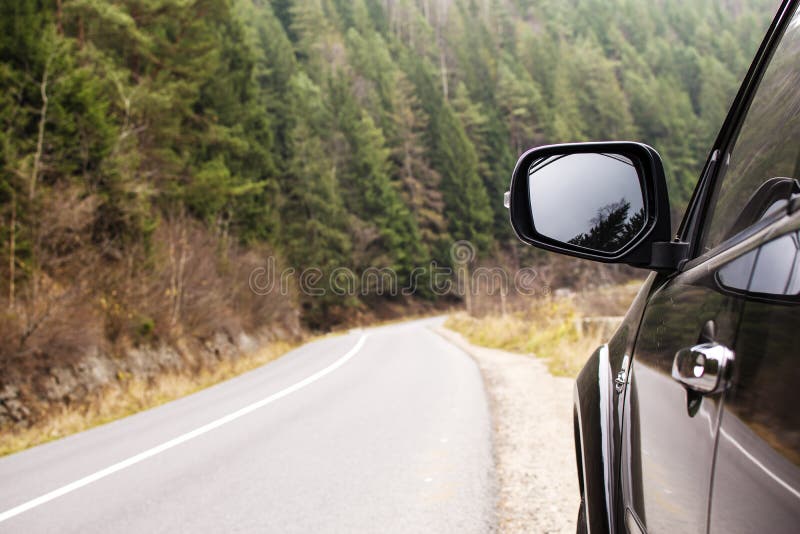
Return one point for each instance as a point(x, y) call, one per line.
point(669, 431)
point(691, 328)
point(756, 484)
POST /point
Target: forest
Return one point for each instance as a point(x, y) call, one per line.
point(155, 152)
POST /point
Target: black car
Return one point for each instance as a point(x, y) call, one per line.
point(688, 419)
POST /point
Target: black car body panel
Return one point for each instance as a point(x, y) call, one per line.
point(598, 412)
point(669, 433)
point(756, 485)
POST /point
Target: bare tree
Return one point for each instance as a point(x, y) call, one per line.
point(441, 20)
point(178, 256)
point(37, 157)
point(12, 253)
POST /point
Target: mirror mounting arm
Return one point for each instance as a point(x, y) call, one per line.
point(668, 255)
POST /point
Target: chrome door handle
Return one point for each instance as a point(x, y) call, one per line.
point(703, 368)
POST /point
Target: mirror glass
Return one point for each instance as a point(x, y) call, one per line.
point(593, 200)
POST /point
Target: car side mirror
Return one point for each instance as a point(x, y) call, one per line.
point(601, 201)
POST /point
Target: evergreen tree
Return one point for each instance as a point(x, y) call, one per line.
point(467, 209)
point(340, 133)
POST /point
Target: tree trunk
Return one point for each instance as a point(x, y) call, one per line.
point(178, 258)
point(441, 21)
point(59, 17)
point(81, 36)
point(443, 69)
point(12, 260)
point(37, 157)
point(467, 288)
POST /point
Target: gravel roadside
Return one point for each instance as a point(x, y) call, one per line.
point(533, 446)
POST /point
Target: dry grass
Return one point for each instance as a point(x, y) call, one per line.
point(551, 328)
point(131, 396)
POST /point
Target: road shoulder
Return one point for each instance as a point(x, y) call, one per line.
point(531, 414)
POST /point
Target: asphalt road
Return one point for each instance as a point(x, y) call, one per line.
point(381, 430)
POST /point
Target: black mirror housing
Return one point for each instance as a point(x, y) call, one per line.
point(571, 195)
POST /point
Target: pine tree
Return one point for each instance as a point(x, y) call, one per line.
point(466, 203)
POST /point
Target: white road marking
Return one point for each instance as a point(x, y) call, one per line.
point(183, 438)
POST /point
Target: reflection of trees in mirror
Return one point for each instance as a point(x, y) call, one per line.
point(612, 228)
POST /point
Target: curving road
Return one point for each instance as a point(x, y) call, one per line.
point(380, 430)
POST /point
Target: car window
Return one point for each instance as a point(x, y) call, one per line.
point(764, 163)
